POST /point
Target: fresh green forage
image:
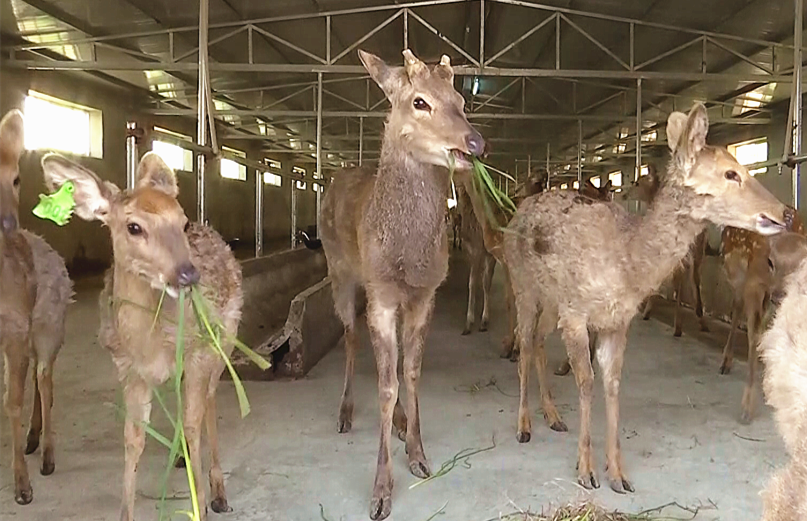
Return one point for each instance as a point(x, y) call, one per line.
point(58, 207)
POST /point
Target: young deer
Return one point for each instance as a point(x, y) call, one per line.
point(34, 293)
point(576, 260)
point(645, 190)
point(386, 231)
point(783, 348)
point(156, 249)
point(746, 263)
point(481, 263)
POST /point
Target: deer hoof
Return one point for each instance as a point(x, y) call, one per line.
point(419, 469)
point(559, 426)
point(725, 368)
point(746, 418)
point(381, 506)
point(24, 496)
point(220, 506)
point(621, 486)
point(32, 444)
point(588, 481)
point(48, 465)
point(466, 331)
point(483, 327)
point(344, 426)
point(523, 437)
point(514, 356)
point(563, 369)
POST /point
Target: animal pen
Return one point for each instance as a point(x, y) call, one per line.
point(311, 200)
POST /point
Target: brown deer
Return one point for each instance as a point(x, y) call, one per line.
point(454, 219)
point(783, 348)
point(645, 190)
point(156, 249)
point(34, 293)
point(746, 264)
point(575, 259)
point(481, 263)
point(386, 231)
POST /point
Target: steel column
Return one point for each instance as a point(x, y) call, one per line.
point(259, 213)
point(482, 34)
point(202, 113)
point(293, 186)
point(131, 154)
point(638, 129)
point(548, 174)
point(361, 139)
point(319, 146)
point(797, 116)
point(579, 152)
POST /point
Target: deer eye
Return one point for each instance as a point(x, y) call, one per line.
point(134, 229)
point(16, 181)
point(420, 104)
point(731, 175)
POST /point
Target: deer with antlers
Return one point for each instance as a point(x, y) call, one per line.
point(575, 259)
point(34, 293)
point(157, 252)
point(746, 264)
point(783, 347)
point(385, 231)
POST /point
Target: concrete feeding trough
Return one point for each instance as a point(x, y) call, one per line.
point(288, 314)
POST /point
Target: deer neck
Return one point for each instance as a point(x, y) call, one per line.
point(493, 236)
point(663, 238)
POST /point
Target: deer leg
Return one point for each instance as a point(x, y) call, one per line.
point(219, 502)
point(696, 285)
point(137, 396)
point(487, 281)
point(527, 310)
point(382, 322)
point(416, 318)
point(345, 302)
point(678, 283)
point(546, 324)
point(44, 375)
point(610, 355)
point(728, 351)
point(575, 336)
point(16, 370)
point(473, 280)
point(646, 308)
point(509, 345)
point(196, 393)
point(35, 428)
point(754, 322)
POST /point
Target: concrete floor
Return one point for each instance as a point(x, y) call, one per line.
point(680, 437)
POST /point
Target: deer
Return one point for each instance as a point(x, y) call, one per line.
point(36, 291)
point(385, 231)
point(481, 262)
point(157, 253)
point(645, 189)
point(747, 268)
point(783, 348)
point(454, 219)
point(575, 260)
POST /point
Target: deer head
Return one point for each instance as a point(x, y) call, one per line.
point(147, 224)
point(645, 188)
point(427, 112)
point(724, 192)
point(788, 250)
point(11, 147)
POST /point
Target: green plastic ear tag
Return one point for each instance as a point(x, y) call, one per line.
point(58, 207)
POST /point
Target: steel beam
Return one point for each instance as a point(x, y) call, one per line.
point(131, 155)
point(202, 113)
point(319, 175)
point(259, 213)
point(797, 116)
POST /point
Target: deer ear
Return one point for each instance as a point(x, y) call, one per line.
point(691, 134)
point(93, 196)
point(390, 79)
point(607, 185)
point(154, 173)
point(12, 136)
point(675, 128)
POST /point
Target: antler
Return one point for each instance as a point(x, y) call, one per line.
point(412, 64)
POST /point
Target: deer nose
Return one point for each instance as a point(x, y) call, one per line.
point(187, 275)
point(8, 223)
point(475, 144)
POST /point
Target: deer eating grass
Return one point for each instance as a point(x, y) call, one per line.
point(645, 190)
point(783, 348)
point(34, 293)
point(576, 259)
point(156, 250)
point(746, 264)
point(385, 231)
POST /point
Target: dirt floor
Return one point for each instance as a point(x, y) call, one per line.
point(681, 439)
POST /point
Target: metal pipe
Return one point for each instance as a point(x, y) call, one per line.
point(529, 169)
point(482, 34)
point(259, 213)
point(406, 29)
point(361, 139)
point(579, 152)
point(638, 129)
point(293, 186)
point(202, 107)
point(318, 176)
point(131, 154)
point(548, 173)
point(797, 64)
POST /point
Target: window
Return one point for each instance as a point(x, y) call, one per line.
point(54, 124)
point(232, 170)
point(564, 186)
point(576, 185)
point(174, 156)
point(268, 177)
point(650, 136)
point(301, 185)
point(643, 171)
point(755, 99)
point(595, 181)
point(750, 152)
point(616, 179)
